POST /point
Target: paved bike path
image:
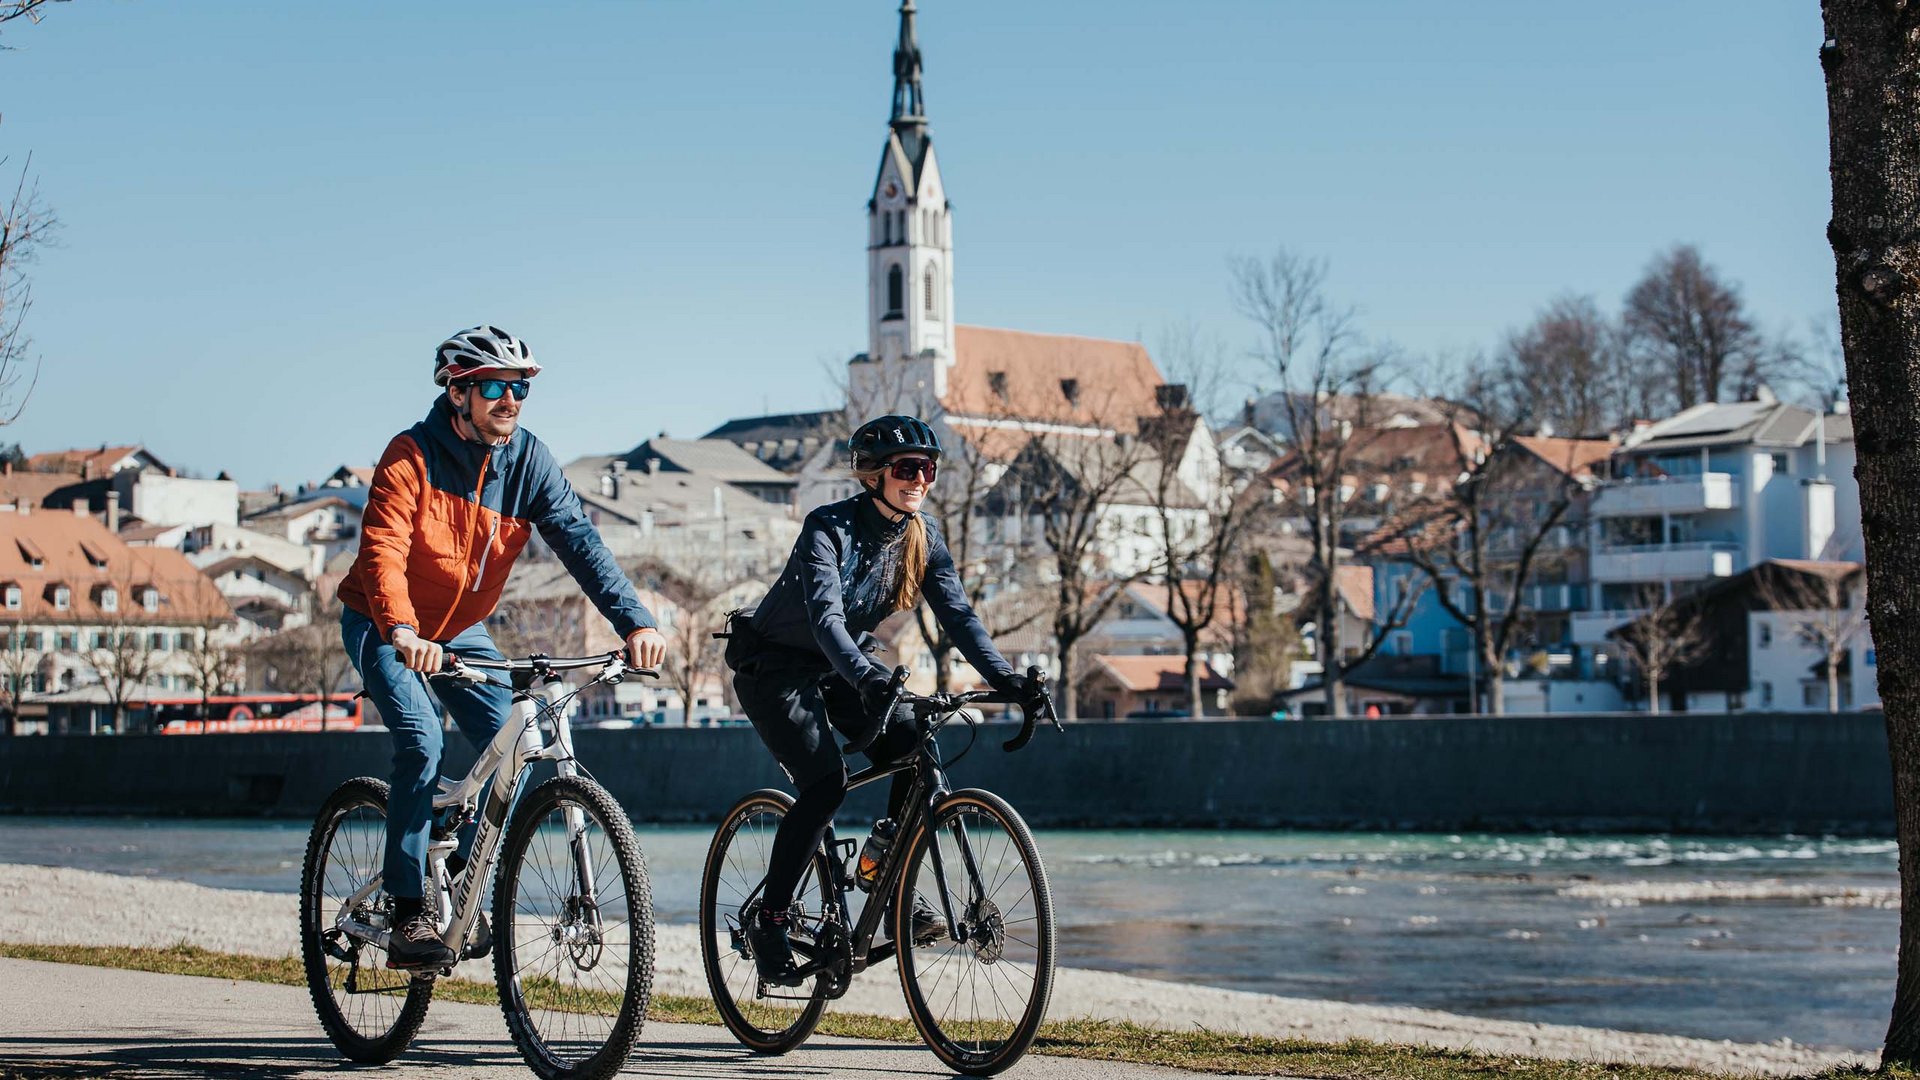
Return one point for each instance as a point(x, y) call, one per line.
point(62, 1019)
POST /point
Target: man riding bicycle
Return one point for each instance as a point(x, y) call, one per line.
point(798, 661)
point(453, 502)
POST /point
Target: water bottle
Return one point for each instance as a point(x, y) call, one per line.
point(874, 853)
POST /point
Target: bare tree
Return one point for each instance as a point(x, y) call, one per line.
point(957, 502)
point(1329, 389)
point(1871, 57)
point(18, 665)
point(1818, 607)
point(1502, 519)
point(1671, 635)
point(1691, 327)
point(701, 597)
point(31, 10)
point(121, 652)
point(25, 224)
point(216, 663)
point(1072, 498)
point(308, 658)
point(1571, 363)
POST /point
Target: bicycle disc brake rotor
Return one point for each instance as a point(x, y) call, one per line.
point(579, 932)
point(986, 930)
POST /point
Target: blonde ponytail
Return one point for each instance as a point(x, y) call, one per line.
point(913, 547)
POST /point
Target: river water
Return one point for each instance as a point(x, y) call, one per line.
point(1749, 939)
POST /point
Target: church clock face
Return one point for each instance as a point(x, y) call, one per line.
point(892, 190)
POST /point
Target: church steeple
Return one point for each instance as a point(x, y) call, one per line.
point(909, 237)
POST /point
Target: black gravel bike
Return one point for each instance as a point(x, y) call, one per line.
point(572, 930)
point(976, 986)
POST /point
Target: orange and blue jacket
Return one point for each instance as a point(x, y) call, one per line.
point(445, 520)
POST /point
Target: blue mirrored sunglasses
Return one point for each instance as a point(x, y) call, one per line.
point(495, 389)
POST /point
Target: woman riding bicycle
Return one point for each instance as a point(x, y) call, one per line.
point(798, 662)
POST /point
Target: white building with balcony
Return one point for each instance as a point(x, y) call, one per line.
point(1708, 493)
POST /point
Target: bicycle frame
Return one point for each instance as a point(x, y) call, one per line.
point(495, 774)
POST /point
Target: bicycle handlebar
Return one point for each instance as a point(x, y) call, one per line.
point(614, 663)
point(950, 703)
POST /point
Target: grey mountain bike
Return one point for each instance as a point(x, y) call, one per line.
point(572, 923)
point(976, 986)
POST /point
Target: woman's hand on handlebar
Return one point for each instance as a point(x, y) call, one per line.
point(416, 652)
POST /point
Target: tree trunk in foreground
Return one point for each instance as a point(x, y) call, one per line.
point(1872, 63)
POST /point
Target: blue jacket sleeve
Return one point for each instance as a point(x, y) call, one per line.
point(948, 597)
point(563, 524)
point(826, 613)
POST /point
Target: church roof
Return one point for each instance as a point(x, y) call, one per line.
point(1055, 378)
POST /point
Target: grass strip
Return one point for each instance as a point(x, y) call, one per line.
point(1100, 1040)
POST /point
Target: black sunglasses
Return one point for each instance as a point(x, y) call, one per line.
point(906, 468)
point(495, 389)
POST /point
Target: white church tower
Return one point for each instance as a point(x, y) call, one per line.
point(909, 257)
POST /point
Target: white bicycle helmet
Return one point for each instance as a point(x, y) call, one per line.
point(479, 349)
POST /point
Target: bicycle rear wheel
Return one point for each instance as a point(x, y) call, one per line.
point(977, 1003)
point(370, 1011)
point(729, 896)
point(574, 964)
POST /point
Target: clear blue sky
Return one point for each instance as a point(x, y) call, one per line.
point(272, 211)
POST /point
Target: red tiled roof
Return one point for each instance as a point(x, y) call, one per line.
point(1355, 584)
point(1017, 374)
point(1575, 457)
point(1146, 674)
point(95, 461)
point(62, 542)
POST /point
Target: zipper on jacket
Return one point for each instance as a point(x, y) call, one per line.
point(481, 574)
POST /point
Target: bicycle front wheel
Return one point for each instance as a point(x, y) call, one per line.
point(573, 931)
point(370, 1011)
point(978, 1002)
point(777, 1019)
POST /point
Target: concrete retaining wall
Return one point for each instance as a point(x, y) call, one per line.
point(1689, 773)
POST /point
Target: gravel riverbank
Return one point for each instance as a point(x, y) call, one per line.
point(53, 905)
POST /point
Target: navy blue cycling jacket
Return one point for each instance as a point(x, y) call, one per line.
point(839, 585)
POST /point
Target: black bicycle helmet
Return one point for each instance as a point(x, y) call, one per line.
point(879, 439)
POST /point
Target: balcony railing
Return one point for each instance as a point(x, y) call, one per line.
point(1665, 562)
point(1667, 495)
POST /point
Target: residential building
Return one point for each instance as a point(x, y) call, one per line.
point(324, 518)
point(1766, 636)
point(79, 606)
point(686, 516)
point(784, 441)
point(1712, 491)
point(1148, 688)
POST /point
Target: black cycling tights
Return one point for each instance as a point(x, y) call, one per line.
point(806, 824)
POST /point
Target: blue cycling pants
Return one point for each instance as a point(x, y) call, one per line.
point(413, 719)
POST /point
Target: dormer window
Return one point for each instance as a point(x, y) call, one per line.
point(997, 382)
point(31, 554)
point(94, 558)
point(1070, 389)
point(62, 598)
point(13, 597)
point(150, 598)
point(109, 599)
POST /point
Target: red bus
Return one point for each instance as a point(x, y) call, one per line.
point(245, 713)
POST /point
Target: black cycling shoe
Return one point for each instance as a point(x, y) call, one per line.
point(772, 953)
point(481, 943)
point(929, 925)
point(416, 944)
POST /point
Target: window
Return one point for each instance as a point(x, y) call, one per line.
point(1070, 389)
point(30, 640)
point(94, 558)
point(1766, 635)
point(109, 599)
point(99, 639)
point(1766, 695)
point(13, 598)
point(1783, 465)
point(150, 598)
point(157, 641)
point(997, 382)
point(62, 597)
point(896, 290)
point(183, 640)
point(1403, 644)
point(927, 287)
point(30, 552)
